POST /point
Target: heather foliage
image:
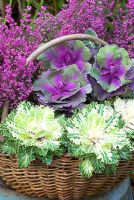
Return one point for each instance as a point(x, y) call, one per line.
point(111, 20)
point(16, 77)
point(16, 43)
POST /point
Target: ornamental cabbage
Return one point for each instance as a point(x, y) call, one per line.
point(126, 90)
point(65, 88)
point(66, 54)
point(110, 68)
point(125, 108)
point(30, 132)
point(130, 76)
point(96, 136)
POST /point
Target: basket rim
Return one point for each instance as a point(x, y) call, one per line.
point(65, 156)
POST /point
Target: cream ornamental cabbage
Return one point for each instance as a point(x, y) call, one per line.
point(97, 137)
point(125, 107)
point(30, 132)
point(35, 126)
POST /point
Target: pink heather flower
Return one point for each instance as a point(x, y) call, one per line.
point(130, 4)
point(114, 25)
point(16, 44)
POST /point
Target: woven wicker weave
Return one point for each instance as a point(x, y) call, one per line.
point(61, 180)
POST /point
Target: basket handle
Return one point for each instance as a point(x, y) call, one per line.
point(59, 40)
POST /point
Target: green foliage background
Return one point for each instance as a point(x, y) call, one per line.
point(18, 6)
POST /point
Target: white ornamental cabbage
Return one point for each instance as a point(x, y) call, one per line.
point(97, 137)
point(125, 107)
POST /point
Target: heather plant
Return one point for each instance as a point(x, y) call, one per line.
point(16, 44)
point(112, 21)
point(19, 6)
point(123, 29)
point(130, 4)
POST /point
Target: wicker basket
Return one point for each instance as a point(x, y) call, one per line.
point(62, 179)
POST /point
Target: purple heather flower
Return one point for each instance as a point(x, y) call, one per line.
point(113, 71)
point(16, 44)
point(130, 4)
point(108, 18)
point(63, 55)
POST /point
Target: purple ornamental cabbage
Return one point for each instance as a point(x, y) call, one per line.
point(130, 76)
point(100, 94)
point(63, 88)
point(126, 90)
point(110, 68)
point(130, 79)
point(66, 54)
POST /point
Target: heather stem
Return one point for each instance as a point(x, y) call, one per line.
point(29, 2)
point(2, 8)
point(11, 2)
point(38, 9)
point(55, 7)
point(20, 7)
point(5, 111)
